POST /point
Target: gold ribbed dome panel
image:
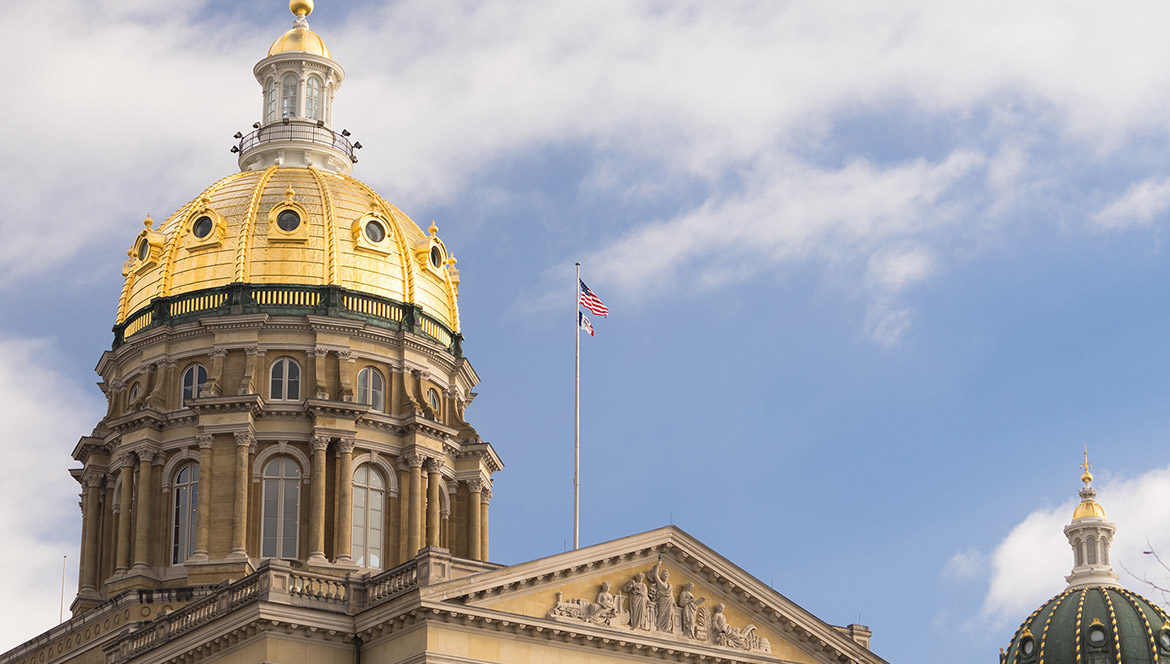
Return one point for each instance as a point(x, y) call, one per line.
point(1088, 508)
point(247, 248)
point(301, 40)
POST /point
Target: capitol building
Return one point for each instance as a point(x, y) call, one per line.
point(286, 471)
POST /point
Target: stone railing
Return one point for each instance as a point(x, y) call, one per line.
point(391, 583)
point(196, 614)
point(274, 581)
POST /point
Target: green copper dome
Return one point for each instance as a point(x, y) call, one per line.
point(1092, 625)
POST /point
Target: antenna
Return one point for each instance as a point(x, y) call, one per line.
point(61, 613)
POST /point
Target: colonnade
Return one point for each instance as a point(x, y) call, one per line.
point(421, 519)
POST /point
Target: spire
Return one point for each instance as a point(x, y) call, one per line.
point(1090, 537)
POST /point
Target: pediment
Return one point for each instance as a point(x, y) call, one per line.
point(662, 586)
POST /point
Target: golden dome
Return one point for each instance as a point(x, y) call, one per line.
point(1088, 508)
point(239, 231)
point(300, 40)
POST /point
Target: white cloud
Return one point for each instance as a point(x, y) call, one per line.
point(1030, 564)
point(965, 564)
point(1138, 206)
point(741, 102)
point(44, 415)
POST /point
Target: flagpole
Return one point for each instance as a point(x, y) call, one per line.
point(577, 412)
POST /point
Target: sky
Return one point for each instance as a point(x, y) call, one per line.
point(877, 272)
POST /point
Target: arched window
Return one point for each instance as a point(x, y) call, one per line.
point(436, 404)
point(1092, 550)
point(371, 388)
point(1104, 551)
point(133, 394)
point(1079, 550)
point(369, 500)
point(270, 96)
point(313, 98)
point(288, 96)
point(186, 492)
point(281, 506)
point(193, 379)
point(286, 380)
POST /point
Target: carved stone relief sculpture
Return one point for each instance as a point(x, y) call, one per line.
point(651, 607)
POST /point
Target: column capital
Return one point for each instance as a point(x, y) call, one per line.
point(204, 440)
point(434, 465)
point(167, 363)
point(345, 445)
point(126, 459)
point(485, 496)
point(244, 438)
point(218, 352)
point(253, 351)
point(346, 355)
point(475, 486)
point(412, 459)
point(318, 351)
point(320, 443)
point(92, 479)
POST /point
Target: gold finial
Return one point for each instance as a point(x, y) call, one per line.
point(289, 193)
point(433, 229)
point(1086, 476)
point(300, 8)
point(451, 260)
point(148, 222)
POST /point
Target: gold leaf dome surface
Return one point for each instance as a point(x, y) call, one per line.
point(329, 248)
point(301, 40)
point(1088, 508)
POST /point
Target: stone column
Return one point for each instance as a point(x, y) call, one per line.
point(344, 526)
point(486, 497)
point(91, 483)
point(475, 523)
point(403, 515)
point(124, 497)
point(317, 502)
point(142, 509)
point(434, 466)
point(203, 507)
point(244, 441)
point(414, 461)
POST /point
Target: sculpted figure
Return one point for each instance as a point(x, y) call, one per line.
point(663, 599)
point(639, 594)
point(724, 634)
point(690, 609)
point(605, 608)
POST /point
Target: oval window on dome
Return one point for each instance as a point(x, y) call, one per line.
point(1164, 639)
point(202, 227)
point(1027, 646)
point(1097, 636)
point(143, 249)
point(288, 220)
point(375, 231)
point(436, 257)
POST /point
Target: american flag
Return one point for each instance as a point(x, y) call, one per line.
point(584, 323)
point(592, 302)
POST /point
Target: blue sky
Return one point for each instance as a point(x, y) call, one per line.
point(876, 271)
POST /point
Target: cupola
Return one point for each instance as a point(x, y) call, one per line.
point(1090, 536)
point(298, 79)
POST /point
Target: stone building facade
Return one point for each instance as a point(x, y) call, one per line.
point(285, 472)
